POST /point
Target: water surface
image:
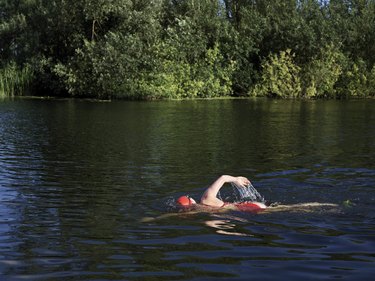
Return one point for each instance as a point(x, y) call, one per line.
point(78, 177)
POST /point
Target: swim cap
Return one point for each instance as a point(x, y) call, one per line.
point(184, 201)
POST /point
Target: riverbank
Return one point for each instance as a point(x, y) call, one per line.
point(67, 98)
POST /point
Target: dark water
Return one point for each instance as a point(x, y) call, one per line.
point(77, 177)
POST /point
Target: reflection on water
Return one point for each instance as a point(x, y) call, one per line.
point(226, 225)
point(77, 177)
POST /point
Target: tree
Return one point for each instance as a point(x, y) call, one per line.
point(116, 53)
point(184, 48)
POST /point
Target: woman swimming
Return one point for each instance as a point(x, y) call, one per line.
point(210, 199)
point(210, 203)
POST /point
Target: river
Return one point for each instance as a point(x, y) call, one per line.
point(87, 189)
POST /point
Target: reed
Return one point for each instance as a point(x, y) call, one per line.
point(14, 80)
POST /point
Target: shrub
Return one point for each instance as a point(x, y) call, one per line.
point(356, 80)
point(14, 80)
point(177, 78)
point(280, 77)
point(320, 75)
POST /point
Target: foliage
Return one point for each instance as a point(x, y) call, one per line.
point(372, 82)
point(280, 77)
point(189, 48)
point(320, 75)
point(109, 65)
point(14, 80)
point(206, 79)
point(242, 41)
point(355, 80)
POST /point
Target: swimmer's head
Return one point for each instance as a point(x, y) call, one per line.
point(185, 201)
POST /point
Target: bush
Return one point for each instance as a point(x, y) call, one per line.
point(320, 75)
point(355, 80)
point(14, 80)
point(280, 77)
point(176, 79)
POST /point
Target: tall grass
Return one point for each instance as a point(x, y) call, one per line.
point(14, 80)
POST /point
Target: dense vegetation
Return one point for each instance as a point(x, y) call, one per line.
point(148, 49)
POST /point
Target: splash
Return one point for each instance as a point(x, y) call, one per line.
point(248, 193)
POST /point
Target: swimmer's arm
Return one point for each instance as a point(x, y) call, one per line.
point(209, 197)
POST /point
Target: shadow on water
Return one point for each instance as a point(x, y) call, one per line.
point(77, 178)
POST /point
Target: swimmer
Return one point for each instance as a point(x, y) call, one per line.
point(209, 198)
point(210, 203)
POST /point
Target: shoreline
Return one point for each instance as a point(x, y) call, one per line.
point(67, 98)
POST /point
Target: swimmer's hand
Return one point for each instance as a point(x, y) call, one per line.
point(241, 181)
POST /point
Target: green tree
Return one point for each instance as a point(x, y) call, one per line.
point(280, 77)
point(320, 75)
point(189, 48)
point(353, 24)
point(245, 34)
point(111, 60)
